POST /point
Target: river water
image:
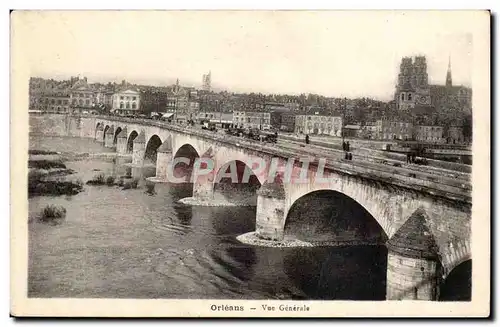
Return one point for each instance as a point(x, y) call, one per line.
point(128, 244)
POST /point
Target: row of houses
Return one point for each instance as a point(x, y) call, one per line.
point(182, 103)
point(333, 126)
point(397, 130)
point(80, 97)
point(77, 96)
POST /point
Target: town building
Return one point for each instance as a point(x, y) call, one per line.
point(369, 131)
point(55, 101)
point(252, 119)
point(432, 134)
point(126, 102)
point(154, 100)
point(82, 96)
point(183, 102)
point(292, 105)
point(318, 124)
point(206, 116)
point(394, 130)
point(455, 135)
point(171, 103)
point(288, 122)
point(35, 100)
point(219, 119)
point(104, 99)
point(276, 110)
point(193, 107)
point(351, 130)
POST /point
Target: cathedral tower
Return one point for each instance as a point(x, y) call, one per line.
point(413, 87)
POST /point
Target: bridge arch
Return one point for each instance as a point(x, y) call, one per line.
point(183, 170)
point(326, 215)
point(117, 132)
point(152, 146)
point(98, 126)
point(457, 285)
point(236, 182)
point(106, 128)
point(130, 140)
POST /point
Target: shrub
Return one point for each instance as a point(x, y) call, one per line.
point(110, 181)
point(100, 178)
point(131, 184)
point(79, 183)
point(150, 188)
point(53, 214)
point(97, 180)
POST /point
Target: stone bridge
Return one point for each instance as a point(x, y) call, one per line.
point(424, 224)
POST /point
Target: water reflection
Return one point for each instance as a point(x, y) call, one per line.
point(347, 273)
point(232, 220)
point(130, 244)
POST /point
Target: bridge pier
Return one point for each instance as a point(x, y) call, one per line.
point(121, 142)
point(203, 190)
point(413, 268)
point(99, 135)
point(163, 159)
point(109, 138)
point(270, 219)
point(138, 150)
point(203, 185)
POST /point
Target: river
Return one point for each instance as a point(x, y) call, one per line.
point(128, 244)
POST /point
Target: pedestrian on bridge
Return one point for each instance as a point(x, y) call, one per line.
point(307, 138)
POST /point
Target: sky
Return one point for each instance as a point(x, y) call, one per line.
point(333, 53)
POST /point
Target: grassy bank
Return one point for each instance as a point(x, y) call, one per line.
point(39, 184)
point(48, 176)
point(45, 164)
point(41, 152)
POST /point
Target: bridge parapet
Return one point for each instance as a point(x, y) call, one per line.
point(376, 172)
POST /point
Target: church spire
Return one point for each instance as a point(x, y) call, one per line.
point(448, 73)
